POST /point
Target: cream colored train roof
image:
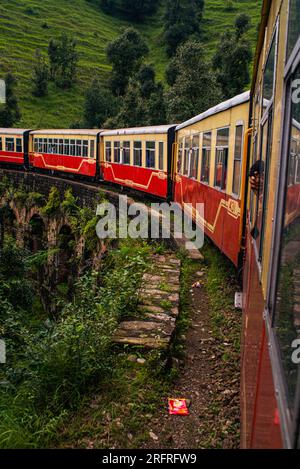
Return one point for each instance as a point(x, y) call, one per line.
point(89, 132)
point(237, 100)
point(157, 129)
point(7, 131)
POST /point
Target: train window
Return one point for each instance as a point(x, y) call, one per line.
point(238, 148)
point(117, 152)
point(50, 146)
point(45, 145)
point(161, 156)
point(0, 143)
point(10, 144)
point(72, 148)
point(108, 151)
point(66, 147)
point(137, 153)
point(221, 158)
point(294, 25)
point(187, 149)
point(92, 148)
point(61, 146)
point(194, 157)
point(85, 148)
point(55, 146)
point(287, 305)
point(40, 140)
point(126, 152)
point(78, 148)
point(35, 144)
point(150, 155)
point(19, 145)
point(252, 195)
point(206, 154)
point(269, 77)
point(263, 194)
point(180, 156)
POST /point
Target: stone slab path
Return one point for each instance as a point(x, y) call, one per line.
point(158, 306)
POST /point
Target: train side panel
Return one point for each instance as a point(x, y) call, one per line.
point(222, 206)
point(69, 152)
point(138, 158)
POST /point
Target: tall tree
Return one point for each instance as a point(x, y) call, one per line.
point(195, 88)
point(99, 105)
point(143, 102)
point(10, 112)
point(233, 58)
point(125, 54)
point(63, 59)
point(132, 111)
point(40, 76)
point(182, 19)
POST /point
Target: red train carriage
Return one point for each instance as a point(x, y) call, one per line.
point(208, 169)
point(270, 380)
point(139, 158)
point(70, 151)
point(14, 146)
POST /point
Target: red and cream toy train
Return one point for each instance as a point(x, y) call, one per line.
point(207, 159)
point(200, 161)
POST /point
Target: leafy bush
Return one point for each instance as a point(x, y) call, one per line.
point(57, 361)
point(53, 203)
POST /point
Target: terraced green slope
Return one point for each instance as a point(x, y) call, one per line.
point(26, 25)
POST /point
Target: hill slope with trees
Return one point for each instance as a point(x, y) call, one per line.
point(28, 26)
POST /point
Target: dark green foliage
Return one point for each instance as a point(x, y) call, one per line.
point(242, 24)
point(15, 290)
point(54, 362)
point(146, 77)
point(100, 104)
point(63, 59)
point(131, 112)
point(134, 9)
point(233, 58)
point(40, 76)
point(144, 102)
point(53, 203)
point(195, 89)
point(10, 112)
point(182, 19)
point(125, 54)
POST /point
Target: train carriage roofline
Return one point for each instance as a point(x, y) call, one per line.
point(230, 103)
point(88, 132)
point(156, 129)
point(7, 131)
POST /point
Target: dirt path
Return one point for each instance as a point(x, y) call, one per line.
point(210, 380)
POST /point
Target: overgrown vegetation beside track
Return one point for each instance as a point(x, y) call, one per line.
point(53, 362)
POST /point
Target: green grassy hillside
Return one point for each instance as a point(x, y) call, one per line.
point(26, 25)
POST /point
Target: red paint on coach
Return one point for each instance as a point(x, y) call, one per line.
point(260, 426)
point(12, 157)
point(68, 164)
point(146, 180)
point(221, 213)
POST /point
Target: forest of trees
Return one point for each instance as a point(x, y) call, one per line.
point(131, 94)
